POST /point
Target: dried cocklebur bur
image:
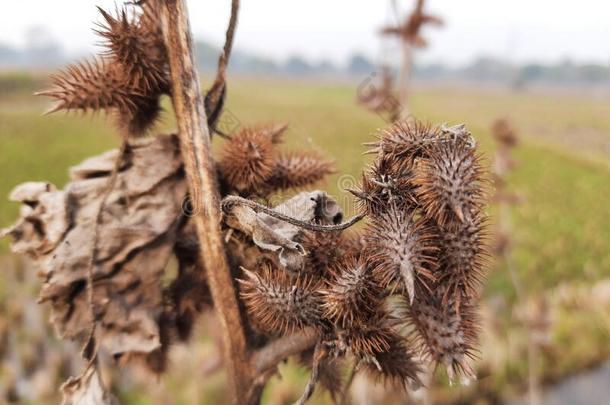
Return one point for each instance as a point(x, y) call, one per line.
point(351, 296)
point(404, 140)
point(190, 296)
point(382, 351)
point(279, 304)
point(298, 169)
point(323, 249)
point(449, 182)
point(275, 132)
point(137, 47)
point(402, 249)
point(463, 255)
point(247, 160)
point(128, 80)
point(397, 365)
point(447, 333)
point(90, 85)
point(387, 181)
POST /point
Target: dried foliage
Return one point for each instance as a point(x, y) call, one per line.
point(86, 389)
point(137, 315)
point(297, 274)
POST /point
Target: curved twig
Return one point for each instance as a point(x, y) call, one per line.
point(214, 99)
point(277, 350)
point(319, 355)
point(229, 38)
point(233, 199)
point(89, 350)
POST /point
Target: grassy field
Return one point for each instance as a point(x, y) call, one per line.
point(561, 230)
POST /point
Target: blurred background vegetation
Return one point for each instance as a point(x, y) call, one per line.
point(561, 238)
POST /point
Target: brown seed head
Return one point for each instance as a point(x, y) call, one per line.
point(449, 182)
point(299, 169)
point(351, 296)
point(387, 182)
point(463, 256)
point(247, 161)
point(396, 365)
point(276, 303)
point(406, 140)
point(323, 249)
point(402, 250)
point(447, 332)
point(138, 48)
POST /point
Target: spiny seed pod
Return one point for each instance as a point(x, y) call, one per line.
point(447, 333)
point(369, 339)
point(397, 365)
point(128, 80)
point(90, 85)
point(463, 255)
point(101, 85)
point(401, 249)
point(138, 48)
point(351, 296)
point(387, 182)
point(137, 121)
point(298, 169)
point(275, 132)
point(449, 181)
point(405, 140)
point(354, 243)
point(277, 304)
point(247, 160)
point(323, 249)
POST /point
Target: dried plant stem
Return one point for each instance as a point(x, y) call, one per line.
point(224, 58)
point(201, 177)
point(233, 199)
point(217, 91)
point(281, 348)
point(318, 357)
point(405, 79)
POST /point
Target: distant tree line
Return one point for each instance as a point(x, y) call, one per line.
point(42, 52)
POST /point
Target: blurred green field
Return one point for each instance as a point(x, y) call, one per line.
point(561, 230)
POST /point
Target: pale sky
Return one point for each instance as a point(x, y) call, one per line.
point(519, 30)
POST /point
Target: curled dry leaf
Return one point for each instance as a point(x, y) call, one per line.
point(136, 239)
point(275, 235)
point(86, 390)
